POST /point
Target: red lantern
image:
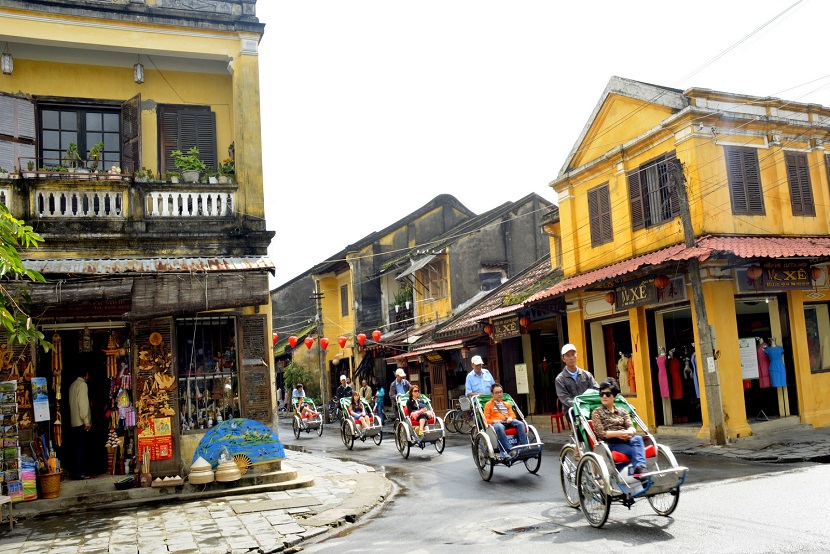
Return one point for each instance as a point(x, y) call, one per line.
point(292, 340)
point(361, 339)
point(376, 335)
point(524, 321)
point(324, 343)
point(815, 273)
point(341, 341)
point(309, 342)
point(275, 337)
point(488, 329)
point(611, 297)
point(753, 272)
point(661, 281)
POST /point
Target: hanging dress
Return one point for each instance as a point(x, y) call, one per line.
point(663, 377)
point(763, 369)
point(676, 379)
point(777, 373)
point(694, 374)
point(632, 379)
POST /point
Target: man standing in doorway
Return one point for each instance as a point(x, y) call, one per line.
point(572, 380)
point(80, 420)
point(479, 380)
point(366, 392)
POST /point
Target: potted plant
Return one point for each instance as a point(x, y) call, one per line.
point(72, 158)
point(403, 297)
point(144, 175)
point(114, 173)
point(189, 164)
point(4, 173)
point(226, 169)
point(171, 176)
point(30, 165)
point(94, 156)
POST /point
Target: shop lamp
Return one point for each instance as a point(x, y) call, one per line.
point(465, 351)
point(138, 71)
point(7, 61)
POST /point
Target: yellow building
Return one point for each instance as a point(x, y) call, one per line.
point(163, 282)
point(756, 172)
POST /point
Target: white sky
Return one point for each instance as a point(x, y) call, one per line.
point(372, 108)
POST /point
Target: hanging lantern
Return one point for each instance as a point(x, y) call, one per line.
point(292, 340)
point(524, 321)
point(661, 281)
point(361, 339)
point(341, 341)
point(753, 272)
point(376, 335)
point(335, 362)
point(275, 337)
point(309, 342)
point(488, 329)
point(815, 273)
point(611, 297)
point(324, 343)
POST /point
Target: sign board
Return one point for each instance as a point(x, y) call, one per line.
point(775, 276)
point(40, 398)
point(521, 379)
point(635, 293)
point(749, 358)
point(506, 328)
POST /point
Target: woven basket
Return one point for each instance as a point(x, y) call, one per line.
point(50, 485)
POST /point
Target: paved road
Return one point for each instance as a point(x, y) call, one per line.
point(441, 502)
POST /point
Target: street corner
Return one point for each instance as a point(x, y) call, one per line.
point(347, 497)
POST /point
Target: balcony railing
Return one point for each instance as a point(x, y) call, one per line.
point(181, 203)
point(402, 318)
point(79, 203)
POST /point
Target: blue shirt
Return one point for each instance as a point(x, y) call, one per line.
point(479, 385)
point(296, 394)
point(400, 387)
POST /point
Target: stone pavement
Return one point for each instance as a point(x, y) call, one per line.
point(264, 522)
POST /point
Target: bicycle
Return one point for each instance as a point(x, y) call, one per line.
point(463, 421)
point(450, 416)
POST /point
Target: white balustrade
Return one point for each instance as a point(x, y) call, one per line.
point(79, 203)
point(189, 204)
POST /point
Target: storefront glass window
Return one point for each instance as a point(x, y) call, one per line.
point(208, 373)
point(817, 318)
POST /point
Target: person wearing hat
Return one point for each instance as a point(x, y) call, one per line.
point(479, 380)
point(298, 391)
point(572, 380)
point(344, 390)
point(398, 386)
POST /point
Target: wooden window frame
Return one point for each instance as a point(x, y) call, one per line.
point(743, 174)
point(344, 300)
point(183, 127)
point(599, 213)
point(652, 197)
point(801, 188)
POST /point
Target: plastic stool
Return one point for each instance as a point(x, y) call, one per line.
point(7, 500)
point(559, 417)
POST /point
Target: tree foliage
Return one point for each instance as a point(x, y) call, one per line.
point(15, 235)
point(296, 373)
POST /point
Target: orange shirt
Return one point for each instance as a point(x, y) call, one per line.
point(492, 415)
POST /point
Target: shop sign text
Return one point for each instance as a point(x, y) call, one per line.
point(787, 275)
point(506, 328)
point(635, 293)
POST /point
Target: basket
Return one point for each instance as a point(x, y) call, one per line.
point(50, 485)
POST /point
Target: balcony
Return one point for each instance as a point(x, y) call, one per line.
point(401, 318)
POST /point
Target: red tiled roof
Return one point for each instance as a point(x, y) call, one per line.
point(499, 311)
point(427, 348)
point(672, 253)
point(768, 247)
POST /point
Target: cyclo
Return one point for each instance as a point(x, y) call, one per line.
point(306, 422)
point(404, 428)
point(592, 476)
point(485, 443)
point(350, 430)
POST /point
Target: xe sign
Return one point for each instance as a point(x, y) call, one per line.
point(786, 275)
point(636, 293)
point(506, 328)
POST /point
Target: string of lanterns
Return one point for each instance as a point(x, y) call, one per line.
point(324, 342)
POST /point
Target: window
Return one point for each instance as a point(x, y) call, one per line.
point(491, 279)
point(344, 300)
point(744, 176)
point(17, 132)
point(817, 318)
point(801, 191)
point(182, 128)
point(115, 125)
point(207, 371)
point(599, 211)
point(652, 194)
point(435, 279)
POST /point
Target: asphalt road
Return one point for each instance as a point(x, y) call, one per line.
point(441, 503)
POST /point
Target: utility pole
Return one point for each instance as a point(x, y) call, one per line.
point(711, 378)
point(317, 296)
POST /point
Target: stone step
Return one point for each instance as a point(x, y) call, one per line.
point(100, 492)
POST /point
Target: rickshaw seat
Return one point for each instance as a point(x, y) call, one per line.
point(430, 421)
point(619, 457)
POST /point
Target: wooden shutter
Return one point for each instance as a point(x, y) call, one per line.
point(752, 178)
point(255, 385)
point(599, 211)
point(605, 214)
point(744, 177)
point(198, 128)
point(593, 215)
point(801, 192)
point(131, 135)
point(17, 132)
point(635, 197)
point(168, 138)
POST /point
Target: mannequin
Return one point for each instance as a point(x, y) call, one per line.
point(676, 380)
point(763, 364)
point(687, 369)
point(662, 376)
point(777, 373)
point(622, 369)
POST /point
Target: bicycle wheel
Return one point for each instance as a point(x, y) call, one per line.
point(594, 502)
point(533, 464)
point(664, 503)
point(567, 475)
point(296, 427)
point(320, 427)
point(464, 421)
point(448, 420)
point(439, 445)
point(401, 440)
point(379, 437)
point(482, 456)
point(346, 434)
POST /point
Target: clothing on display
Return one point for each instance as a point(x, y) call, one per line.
point(622, 369)
point(676, 379)
point(777, 373)
point(763, 367)
point(662, 376)
point(632, 379)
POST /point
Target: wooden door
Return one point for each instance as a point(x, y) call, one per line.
point(439, 388)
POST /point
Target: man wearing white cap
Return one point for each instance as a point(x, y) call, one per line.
point(399, 386)
point(572, 380)
point(344, 390)
point(479, 380)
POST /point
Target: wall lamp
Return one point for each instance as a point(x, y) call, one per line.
point(138, 71)
point(6, 61)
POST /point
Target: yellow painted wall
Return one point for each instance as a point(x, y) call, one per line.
point(438, 309)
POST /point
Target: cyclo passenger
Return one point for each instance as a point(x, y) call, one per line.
point(304, 409)
point(500, 415)
point(418, 411)
point(613, 425)
point(357, 412)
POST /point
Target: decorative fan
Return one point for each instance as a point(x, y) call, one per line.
point(156, 339)
point(243, 462)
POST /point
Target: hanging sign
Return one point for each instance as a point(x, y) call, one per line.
point(506, 328)
point(522, 386)
point(635, 293)
point(40, 398)
point(786, 275)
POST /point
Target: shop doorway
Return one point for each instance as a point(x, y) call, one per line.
point(676, 387)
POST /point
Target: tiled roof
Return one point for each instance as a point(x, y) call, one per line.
point(150, 265)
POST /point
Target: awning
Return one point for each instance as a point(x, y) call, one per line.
point(448, 345)
point(105, 266)
point(416, 265)
point(55, 293)
point(499, 311)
